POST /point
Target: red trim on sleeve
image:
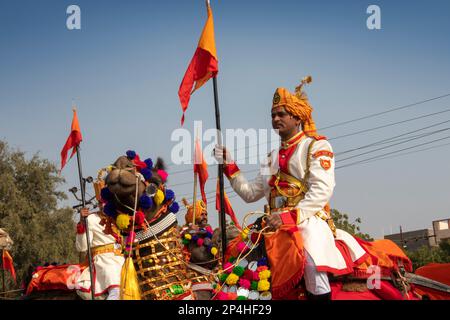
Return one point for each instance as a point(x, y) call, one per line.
point(231, 170)
point(81, 228)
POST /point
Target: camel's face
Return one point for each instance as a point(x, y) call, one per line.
point(122, 181)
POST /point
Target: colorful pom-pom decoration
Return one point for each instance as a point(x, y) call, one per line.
point(139, 218)
point(241, 247)
point(264, 275)
point(262, 261)
point(254, 285)
point(232, 279)
point(200, 242)
point(131, 154)
point(110, 210)
point(174, 207)
point(223, 277)
point(263, 285)
point(106, 194)
point(185, 242)
point(238, 270)
point(244, 283)
point(145, 202)
point(122, 221)
point(169, 195)
point(158, 197)
point(149, 163)
point(221, 296)
point(147, 173)
point(227, 267)
point(163, 175)
point(188, 236)
point(214, 251)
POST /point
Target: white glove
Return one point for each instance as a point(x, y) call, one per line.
point(221, 154)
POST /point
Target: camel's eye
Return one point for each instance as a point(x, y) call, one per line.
point(151, 189)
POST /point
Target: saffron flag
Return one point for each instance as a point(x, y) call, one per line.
point(201, 168)
point(73, 140)
point(227, 206)
point(7, 263)
point(203, 64)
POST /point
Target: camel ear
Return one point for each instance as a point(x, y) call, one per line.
point(160, 164)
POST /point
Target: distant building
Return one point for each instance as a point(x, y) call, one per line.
point(441, 229)
point(413, 240)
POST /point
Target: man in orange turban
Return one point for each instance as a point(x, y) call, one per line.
point(298, 188)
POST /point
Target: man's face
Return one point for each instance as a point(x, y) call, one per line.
point(284, 122)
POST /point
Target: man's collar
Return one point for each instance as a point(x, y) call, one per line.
point(293, 141)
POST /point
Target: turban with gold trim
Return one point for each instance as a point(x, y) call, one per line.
point(297, 104)
point(200, 208)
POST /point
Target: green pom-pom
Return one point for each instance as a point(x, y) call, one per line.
point(241, 298)
point(254, 285)
point(224, 277)
point(232, 259)
point(185, 242)
point(239, 271)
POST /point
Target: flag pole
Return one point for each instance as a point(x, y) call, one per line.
point(222, 220)
point(194, 201)
point(83, 201)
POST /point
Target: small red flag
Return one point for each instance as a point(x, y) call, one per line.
point(203, 66)
point(227, 206)
point(7, 263)
point(201, 168)
point(73, 140)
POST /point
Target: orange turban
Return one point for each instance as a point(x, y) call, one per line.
point(200, 208)
point(297, 105)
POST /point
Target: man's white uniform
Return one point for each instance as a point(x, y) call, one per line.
point(106, 258)
point(322, 254)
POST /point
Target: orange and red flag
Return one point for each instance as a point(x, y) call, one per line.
point(201, 168)
point(203, 66)
point(73, 140)
point(7, 263)
point(227, 206)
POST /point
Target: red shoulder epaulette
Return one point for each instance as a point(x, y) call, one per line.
point(320, 138)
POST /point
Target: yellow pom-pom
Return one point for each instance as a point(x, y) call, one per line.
point(159, 197)
point(214, 251)
point(264, 275)
point(244, 234)
point(109, 168)
point(188, 236)
point(263, 285)
point(232, 279)
point(122, 221)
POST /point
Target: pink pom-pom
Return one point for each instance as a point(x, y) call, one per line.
point(255, 276)
point(163, 175)
point(200, 242)
point(244, 283)
point(209, 229)
point(241, 247)
point(227, 267)
point(221, 296)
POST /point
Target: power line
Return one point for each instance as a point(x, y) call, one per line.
point(359, 119)
point(357, 155)
point(386, 111)
point(376, 157)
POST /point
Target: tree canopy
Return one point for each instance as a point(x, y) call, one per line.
point(42, 232)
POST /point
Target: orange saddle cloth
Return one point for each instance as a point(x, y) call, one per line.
point(62, 277)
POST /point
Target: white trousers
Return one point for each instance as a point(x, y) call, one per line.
point(113, 294)
point(316, 282)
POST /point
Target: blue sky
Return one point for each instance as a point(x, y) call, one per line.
point(124, 66)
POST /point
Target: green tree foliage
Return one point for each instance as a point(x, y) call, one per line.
point(29, 212)
point(426, 255)
point(341, 220)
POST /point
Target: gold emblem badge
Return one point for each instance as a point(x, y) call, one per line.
point(326, 164)
point(276, 98)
